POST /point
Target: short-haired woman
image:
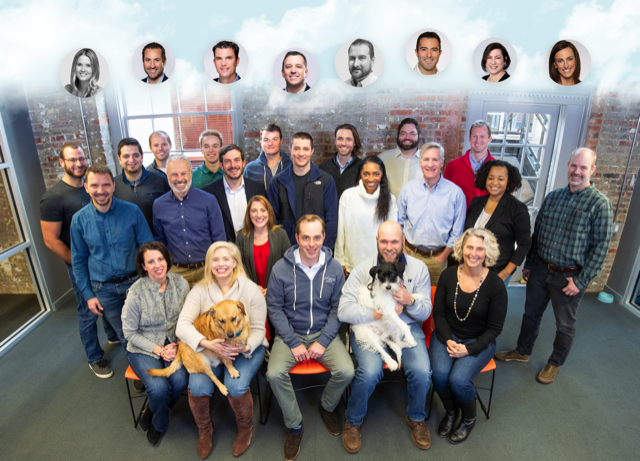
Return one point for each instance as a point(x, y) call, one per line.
point(85, 73)
point(149, 319)
point(469, 309)
point(495, 61)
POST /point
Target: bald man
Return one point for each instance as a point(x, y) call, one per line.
point(569, 243)
point(413, 305)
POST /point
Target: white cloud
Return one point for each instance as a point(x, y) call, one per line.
point(218, 21)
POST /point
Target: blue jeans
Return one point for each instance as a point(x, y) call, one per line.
point(87, 325)
point(544, 285)
point(456, 375)
point(415, 363)
point(111, 297)
point(200, 384)
point(163, 393)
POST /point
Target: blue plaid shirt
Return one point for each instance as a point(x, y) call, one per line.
point(573, 229)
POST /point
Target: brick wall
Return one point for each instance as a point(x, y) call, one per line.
point(611, 129)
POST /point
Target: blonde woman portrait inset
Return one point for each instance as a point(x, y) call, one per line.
point(85, 74)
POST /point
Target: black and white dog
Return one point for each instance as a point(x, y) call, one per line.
point(390, 330)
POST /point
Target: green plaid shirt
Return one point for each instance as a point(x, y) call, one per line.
point(573, 229)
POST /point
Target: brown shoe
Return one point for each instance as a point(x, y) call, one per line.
point(420, 433)
point(292, 445)
point(508, 356)
point(331, 419)
point(243, 408)
point(200, 407)
point(351, 438)
point(548, 374)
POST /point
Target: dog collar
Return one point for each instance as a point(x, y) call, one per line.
point(370, 288)
point(238, 333)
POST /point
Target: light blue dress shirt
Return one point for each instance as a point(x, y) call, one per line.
point(431, 219)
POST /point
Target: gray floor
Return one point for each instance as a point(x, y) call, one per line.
point(52, 407)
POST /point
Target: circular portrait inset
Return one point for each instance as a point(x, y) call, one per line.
point(84, 73)
point(295, 70)
point(428, 51)
point(225, 61)
point(153, 62)
point(359, 62)
point(495, 60)
point(569, 62)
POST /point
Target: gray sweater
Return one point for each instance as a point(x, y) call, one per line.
point(145, 323)
point(201, 298)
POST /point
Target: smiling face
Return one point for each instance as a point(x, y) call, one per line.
point(294, 71)
point(232, 164)
point(390, 241)
point(495, 62)
point(474, 252)
point(565, 62)
point(226, 62)
point(360, 62)
point(84, 71)
point(430, 164)
point(74, 162)
point(301, 152)
point(100, 187)
point(581, 167)
point(210, 148)
point(160, 146)
point(408, 137)
point(155, 265)
point(153, 63)
point(222, 265)
point(497, 180)
point(428, 54)
point(479, 140)
point(259, 215)
point(371, 176)
point(130, 159)
point(179, 176)
point(345, 142)
point(310, 239)
point(271, 142)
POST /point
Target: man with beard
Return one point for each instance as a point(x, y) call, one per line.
point(57, 208)
point(462, 170)
point(345, 163)
point(295, 72)
point(361, 60)
point(154, 59)
point(136, 184)
point(187, 220)
point(209, 171)
point(413, 306)
point(226, 60)
point(105, 237)
point(271, 160)
point(160, 145)
point(233, 191)
point(569, 244)
point(403, 162)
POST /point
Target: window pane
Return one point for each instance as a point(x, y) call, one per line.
point(513, 155)
point(528, 191)
point(191, 129)
point(532, 161)
point(496, 121)
point(496, 150)
point(218, 98)
point(191, 99)
point(516, 126)
point(138, 100)
point(221, 123)
point(539, 128)
point(141, 129)
point(18, 299)
point(10, 235)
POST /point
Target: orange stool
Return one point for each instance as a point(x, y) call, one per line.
point(129, 375)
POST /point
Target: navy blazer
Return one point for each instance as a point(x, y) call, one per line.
point(216, 188)
point(510, 223)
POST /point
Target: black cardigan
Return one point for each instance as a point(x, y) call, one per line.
point(278, 244)
point(486, 318)
point(216, 188)
point(348, 178)
point(510, 223)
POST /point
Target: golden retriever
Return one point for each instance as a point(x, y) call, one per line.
point(226, 320)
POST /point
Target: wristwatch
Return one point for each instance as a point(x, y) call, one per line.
point(413, 302)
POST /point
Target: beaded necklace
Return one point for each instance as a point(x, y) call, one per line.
point(455, 298)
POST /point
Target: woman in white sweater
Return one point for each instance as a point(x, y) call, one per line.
point(224, 278)
point(362, 209)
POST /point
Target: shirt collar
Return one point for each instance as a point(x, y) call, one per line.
point(417, 69)
point(362, 82)
point(435, 186)
point(416, 155)
point(474, 162)
point(335, 159)
point(144, 174)
point(296, 256)
point(228, 189)
point(159, 81)
point(191, 188)
point(113, 206)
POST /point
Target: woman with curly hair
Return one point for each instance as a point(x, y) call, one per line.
point(564, 64)
point(85, 73)
point(503, 214)
point(361, 211)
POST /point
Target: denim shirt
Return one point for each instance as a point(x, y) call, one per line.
point(105, 245)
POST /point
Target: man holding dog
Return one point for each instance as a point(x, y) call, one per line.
point(413, 306)
point(302, 301)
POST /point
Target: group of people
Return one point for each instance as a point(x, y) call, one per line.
point(153, 248)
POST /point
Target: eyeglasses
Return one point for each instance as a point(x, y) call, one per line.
point(76, 160)
point(413, 134)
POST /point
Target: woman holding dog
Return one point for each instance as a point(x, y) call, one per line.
point(149, 319)
point(469, 309)
point(361, 211)
point(224, 279)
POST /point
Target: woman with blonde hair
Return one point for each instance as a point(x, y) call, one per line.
point(469, 309)
point(85, 73)
point(224, 278)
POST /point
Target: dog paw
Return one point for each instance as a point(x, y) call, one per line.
point(392, 364)
point(224, 390)
point(411, 343)
point(248, 356)
point(234, 373)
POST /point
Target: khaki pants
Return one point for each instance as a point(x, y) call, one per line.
point(335, 358)
point(435, 268)
point(192, 276)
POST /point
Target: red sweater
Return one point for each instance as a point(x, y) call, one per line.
point(460, 173)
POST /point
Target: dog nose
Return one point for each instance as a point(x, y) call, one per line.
point(388, 287)
point(230, 335)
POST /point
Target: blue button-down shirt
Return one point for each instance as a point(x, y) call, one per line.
point(475, 165)
point(105, 245)
point(188, 227)
point(431, 219)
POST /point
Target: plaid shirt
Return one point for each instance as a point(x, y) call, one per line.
point(573, 229)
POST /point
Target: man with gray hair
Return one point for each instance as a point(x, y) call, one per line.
point(462, 170)
point(187, 220)
point(361, 61)
point(431, 211)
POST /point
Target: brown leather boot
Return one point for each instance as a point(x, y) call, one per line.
point(201, 409)
point(243, 407)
